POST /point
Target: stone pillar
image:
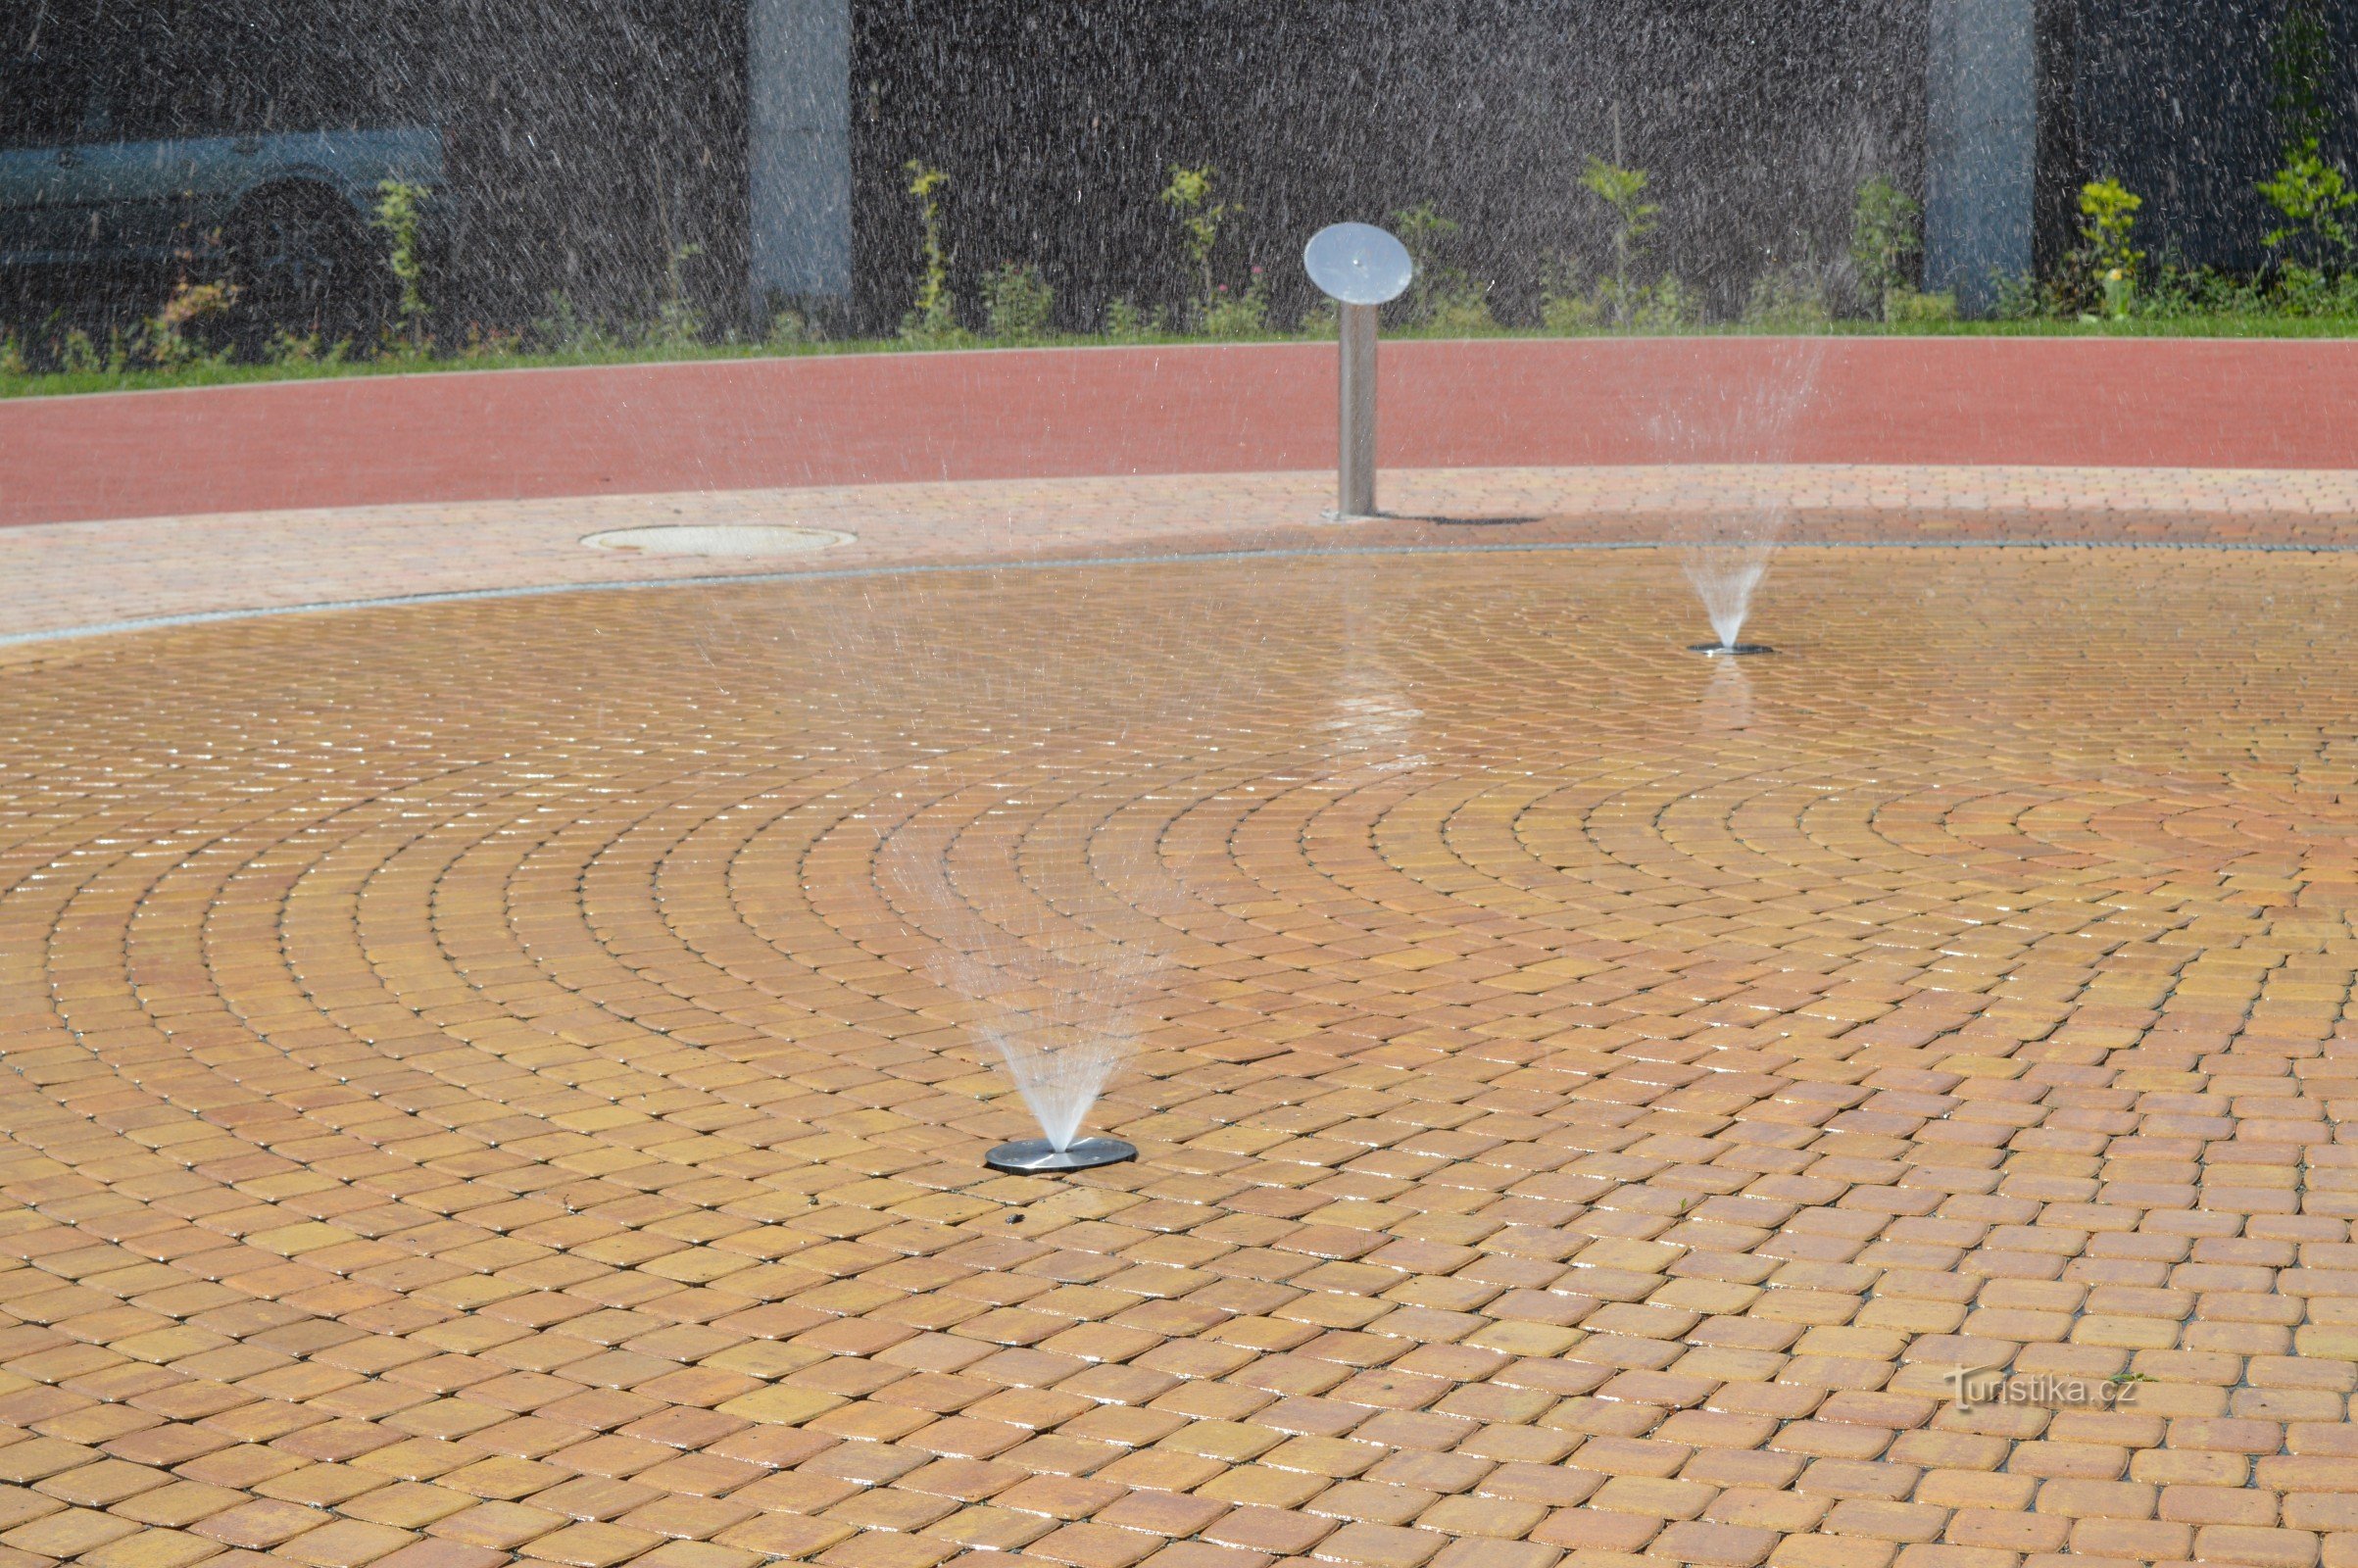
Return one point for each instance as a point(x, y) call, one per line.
point(799, 102)
point(1981, 146)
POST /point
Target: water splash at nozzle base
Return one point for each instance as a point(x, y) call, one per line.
point(1037, 1157)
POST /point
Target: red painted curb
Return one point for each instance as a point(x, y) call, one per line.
point(1001, 414)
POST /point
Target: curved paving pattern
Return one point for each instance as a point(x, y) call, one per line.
point(508, 1080)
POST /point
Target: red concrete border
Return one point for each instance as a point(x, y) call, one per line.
point(1233, 408)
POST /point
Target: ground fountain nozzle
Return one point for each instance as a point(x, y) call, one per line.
point(1729, 649)
point(1037, 1157)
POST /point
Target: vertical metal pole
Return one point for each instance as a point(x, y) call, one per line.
point(1356, 495)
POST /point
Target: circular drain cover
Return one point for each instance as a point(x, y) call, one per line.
point(718, 539)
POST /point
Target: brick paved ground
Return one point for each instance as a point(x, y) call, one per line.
point(506, 1080)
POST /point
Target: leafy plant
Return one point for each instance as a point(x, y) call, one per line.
point(563, 329)
point(1573, 306)
point(1189, 196)
point(299, 349)
point(12, 364)
point(1017, 303)
point(167, 336)
point(77, 355)
point(1460, 310)
point(2102, 272)
point(2311, 195)
point(2120, 289)
point(1423, 231)
point(1127, 323)
point(2108, 213)
point(678, 324)
point(291, 348)
point(1234, 316)
point(1666, 305)
point(789, 329)
point(934, 315)
point(1907, 306)
point(399, 216)
point(1569, 304)
point(1442, 299)
point(2020, 297)
point(1885, 236)
point(489, 343)
point(1633, 218)
point(2187, 293)
point(1788, 299)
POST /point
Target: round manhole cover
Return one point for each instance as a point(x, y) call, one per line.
point(718, 539)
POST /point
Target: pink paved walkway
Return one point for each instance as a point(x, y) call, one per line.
point(1002, 414)
point(57, 579)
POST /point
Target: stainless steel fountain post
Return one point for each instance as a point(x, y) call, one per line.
point(1360, 267)
point(1355, 492)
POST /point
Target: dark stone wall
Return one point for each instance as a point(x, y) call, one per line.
point(593, 141)
point(1057, 121)
point(2175, 99)
point(595, 137)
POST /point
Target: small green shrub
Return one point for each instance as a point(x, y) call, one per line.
point(483, 343)
point(2020, 297)
point(1573, 306)
point(1443, 300)
point(1885, 236)
point(2182, 293)
point(563, 329)
point(2102, 272)
point(2310, 195)
point(75, 353)
point(1907, 306)
point(1423, 232)
point(933, 318)
point(678, 325)
point(170, 337)
point(789, 329)
point(1788, 299)
point(1668, 306)
point(1127, 323)
point(2108, 228)
point(1633, 218)
point(400, 217)
point(1237, 315)
point(1570, 304)
point(291, 348)
point(1017, 303)
point(1189, 196)
point(1570, 315)
point(1460, 310)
